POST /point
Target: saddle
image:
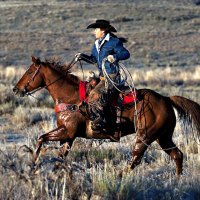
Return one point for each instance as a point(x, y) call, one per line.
point(125, 99)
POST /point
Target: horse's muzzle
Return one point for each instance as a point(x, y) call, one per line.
point(15, 90)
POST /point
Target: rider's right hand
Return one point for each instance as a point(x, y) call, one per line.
point(111, 58)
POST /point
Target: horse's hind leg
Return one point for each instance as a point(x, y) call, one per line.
point(170, 148)
point(138, 151)
point(54, 135)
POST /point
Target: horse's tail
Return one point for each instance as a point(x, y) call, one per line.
point(188, 111)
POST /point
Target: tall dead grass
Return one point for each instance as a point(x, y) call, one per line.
point(159, 75)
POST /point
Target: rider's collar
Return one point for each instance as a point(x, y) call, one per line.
point(106, 38)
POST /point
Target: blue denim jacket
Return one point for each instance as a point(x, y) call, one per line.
point(109, 46)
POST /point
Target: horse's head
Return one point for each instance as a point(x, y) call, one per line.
point(31, 80)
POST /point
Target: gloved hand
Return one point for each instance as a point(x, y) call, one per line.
point(78, 56)
point(111, 58)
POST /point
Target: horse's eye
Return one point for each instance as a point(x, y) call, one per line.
point(29, 71)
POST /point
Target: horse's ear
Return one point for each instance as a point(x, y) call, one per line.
point(34, 59)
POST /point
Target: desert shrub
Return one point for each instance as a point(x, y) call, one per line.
point(25, 115)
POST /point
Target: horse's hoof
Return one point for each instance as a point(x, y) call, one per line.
point(120, 175)
point(34, 158)
point(126, 170)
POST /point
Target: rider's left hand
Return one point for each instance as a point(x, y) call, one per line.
point(78, 56)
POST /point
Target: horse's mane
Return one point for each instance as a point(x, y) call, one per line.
point(63, 69)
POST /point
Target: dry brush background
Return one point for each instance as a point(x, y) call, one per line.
point(164, 41)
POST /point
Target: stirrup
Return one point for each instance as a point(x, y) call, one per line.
point(115, 138)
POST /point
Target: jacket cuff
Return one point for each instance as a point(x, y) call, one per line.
point(115, 57)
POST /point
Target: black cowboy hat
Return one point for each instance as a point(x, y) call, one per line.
point(104, 24)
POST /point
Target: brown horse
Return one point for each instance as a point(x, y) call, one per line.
point(155, 119)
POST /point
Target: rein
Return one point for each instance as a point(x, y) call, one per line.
point(46, 86)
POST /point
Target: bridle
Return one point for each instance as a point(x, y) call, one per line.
point(32, 78)
point(37, 71)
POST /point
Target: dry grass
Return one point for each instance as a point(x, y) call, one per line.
point(91, 170)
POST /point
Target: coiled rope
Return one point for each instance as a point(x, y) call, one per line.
point(124, 75)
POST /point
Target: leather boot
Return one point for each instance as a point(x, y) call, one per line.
point(98, 118)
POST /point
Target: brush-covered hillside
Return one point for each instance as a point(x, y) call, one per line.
point(160, 33)
point(164, 42)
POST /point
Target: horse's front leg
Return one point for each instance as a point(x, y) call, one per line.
point(57, 134)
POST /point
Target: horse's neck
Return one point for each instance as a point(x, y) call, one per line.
point(63, 90)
